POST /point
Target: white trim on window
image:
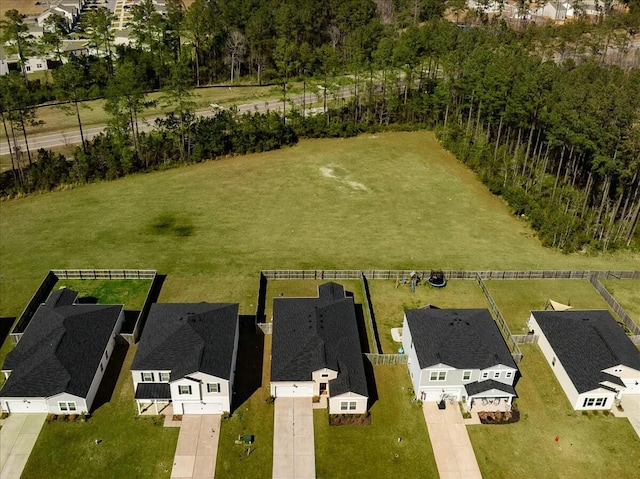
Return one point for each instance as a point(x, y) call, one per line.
point(485, 374)
point(496, 374)
point(146, 377)
point(508, 374)
point(67, 406)
point(348, 405)
point(184, 389)
point(164, 377)
point(213, 387)
point(466, 375)
point(438, 376)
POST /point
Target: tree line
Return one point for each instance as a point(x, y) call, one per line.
point(547, 116)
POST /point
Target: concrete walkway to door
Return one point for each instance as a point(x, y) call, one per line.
point(450, 442)
point(18, 435)
point(293, 444)
point(197, 448)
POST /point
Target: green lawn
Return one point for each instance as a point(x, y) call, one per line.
point(350, 452)
point(129, 447)
point(390, 302)
point(627, 293)
point(588, 446)
point(517, 298)
point(129, 292)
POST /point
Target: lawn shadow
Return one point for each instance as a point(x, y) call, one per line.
point(362, 329)
point(248, 378)
point(111, 374)
point(371, 382)
point(5, 327)
point(87, 300)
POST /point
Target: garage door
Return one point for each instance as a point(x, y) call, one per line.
point(294, 391)
point(437, 395)
point(202, 408)
point(32, 405)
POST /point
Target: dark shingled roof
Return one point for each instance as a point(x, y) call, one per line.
point(586, 342)
point(483, 386)
point(187, 338)
point(62, 297)
point(460, 338)
point(314, 333)
point(153, 391)
point(60, 351)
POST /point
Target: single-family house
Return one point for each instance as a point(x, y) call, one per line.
point(458, 354)
point(556, 11)
point(59, 362)
point(592, 357)
point(187, 356)
point(316, 350)
point(69, 13)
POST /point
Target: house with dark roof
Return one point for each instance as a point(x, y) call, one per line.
point(316, 350)
point(593, 359)
point(458, 354)
point(59, 362)
point(187, 357)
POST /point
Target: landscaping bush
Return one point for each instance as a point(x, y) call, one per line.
point(349, 419)
point(499, 417)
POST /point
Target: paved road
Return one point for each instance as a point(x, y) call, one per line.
point(73, 137)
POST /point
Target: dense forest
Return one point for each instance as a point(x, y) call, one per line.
point(548, 116)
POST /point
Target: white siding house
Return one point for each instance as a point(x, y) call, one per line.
point(459, 355)
point(58, 364)
point(594, 361)
point(187, 357)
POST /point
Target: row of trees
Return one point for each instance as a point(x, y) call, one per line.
point(548, 124)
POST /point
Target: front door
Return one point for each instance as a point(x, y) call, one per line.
point(323, 388)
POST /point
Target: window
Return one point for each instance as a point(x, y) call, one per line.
point(553, 361)
point(325, 375)
point(106, 353)
point(28, 68)
point(67, 406)
point(147, 377)
point(184, 389)
point(101, 367)
point(213, 388)
point(348, 405)
point(466, 375)
point(617, 370)
point(496, 374)
point(598, 402)
point(38, 65)
point(438, 376)
point(485, 374)
point(508, 374)
point(164, 377)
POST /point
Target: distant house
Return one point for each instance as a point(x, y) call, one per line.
point(458, 354)
point(187, 356)
point(59, 362)
point(594, 360)
point(556, 11)
point(316, 350)
point(70, 13)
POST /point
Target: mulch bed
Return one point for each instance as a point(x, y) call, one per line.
point(499, 417)
point(349, 419)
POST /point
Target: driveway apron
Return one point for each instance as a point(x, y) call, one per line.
point(18, 435)
point(450, 442)
point(197, 447)
point(293, 443)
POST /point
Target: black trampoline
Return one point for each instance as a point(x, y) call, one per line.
point(437, 280)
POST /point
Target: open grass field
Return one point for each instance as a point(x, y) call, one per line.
point(627, 293)
point(389, 303)
point(588, 446)
point(130, 446)
point(517, 298)
point(26, 7)
point(353, 452)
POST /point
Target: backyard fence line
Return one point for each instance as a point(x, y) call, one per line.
point(266, 328)
point(525, 338)
point(370, 314)
point(502, 324)
point(261, 301)
point(156, 284)
point(611, 301)
point(54, 275)
point(387, 359)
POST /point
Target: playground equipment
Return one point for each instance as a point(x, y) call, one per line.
point(437, 279)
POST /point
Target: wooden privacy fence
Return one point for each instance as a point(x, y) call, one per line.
point(377, 348)
point(502, 324)
point(611, 301)
point(525, 338)
point(387, 359)
point(54, 275)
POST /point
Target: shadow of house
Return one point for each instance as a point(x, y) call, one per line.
point(5, 327)
point(111, 375)
point(249, 362)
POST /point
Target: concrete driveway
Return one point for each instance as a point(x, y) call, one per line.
point(197, 447)
point(631, 405)
point(450, 441)
point(18, 435)
point(293, 444)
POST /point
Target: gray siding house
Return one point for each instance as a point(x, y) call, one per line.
point(458, 354)
point(316, 350)
point(187, 356)
point(594, 360)
point(59, 362)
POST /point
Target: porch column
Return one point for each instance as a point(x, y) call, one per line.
point(138, 404)
point(155, 404)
